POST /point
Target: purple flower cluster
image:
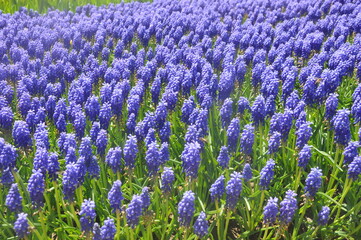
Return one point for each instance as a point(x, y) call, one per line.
point(313, 182)
point(123, 88)
point(88, 215)
point(186, 209)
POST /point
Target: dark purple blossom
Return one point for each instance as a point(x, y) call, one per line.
point(233, 190)
point(313, 182)
point(288, 207)
point(267, 174)
point(247, 172)
point(186, 209)
point(217, 189)
point(88, 215)
point(233, 132)
point(13, 199)
point(323, 216)
point(201, 225)
point(115, 196)
point(270, 211)
point(247, 139)
point(36, 187)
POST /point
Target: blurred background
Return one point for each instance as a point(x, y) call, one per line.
point(42, 6)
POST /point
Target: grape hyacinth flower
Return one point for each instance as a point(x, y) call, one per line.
point(94, 131)
point(13, 199)
point(102, 142)
point(85, 149)
point(152, 159)
point(21, 134)
point(341, 125)
point(113, 159)
point(354, 168)
point(201, 225)
point(323, 216)
point(202, 122)
point(107, 231)
point(258, 110)
point(270, 211)
point(8, 156)
point(7, 177)
point(36, 187)
point(267, 174)
point(96, 232)
point(6, 118)
point(288, 207)
point(53, 166)
point(350, 152)
point(233, 134)
point(243, 105)
point(145, 198)
point(274, 142)
point(331, 106)
point(304, 156)
point(70, 181)
point(131, 123)
point(130, 151)
point(191, 159)
point(186, 209)
point(105, 115)
point(226, 112)
point(313, 182)
point(247, 172)
point(247, 139)
point(223, 157)
point(115, 196)
point(40, 161)
point(70, 156)
point(217, 189)
point(88, 215)
point(134, 211)
point(164, 153)
point(233, 190)
point(167, 179)
point(187, 109)
point(21, 225)
point(304, 134)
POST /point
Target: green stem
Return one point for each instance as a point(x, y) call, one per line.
point(165, 223)
point(261, 203)
point(228, 217)
point(43, 225)
point(72, 209)
point(130, 174)
point(131, 233)
point(118, 224)
point(79, 193)
point(88, 236)
point(315, 232)
point(57, 199)
point(218, 221)
point(185, 233)
point(265, 233)
point(347, 187)
point(103, 173)
point(149, 231)
point(335, 169)
point(297, 182)
point(35, 230)
point(298, 225)
point(351, 211)
point(356, 230)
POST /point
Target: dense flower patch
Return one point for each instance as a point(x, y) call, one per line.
point(182, 119)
